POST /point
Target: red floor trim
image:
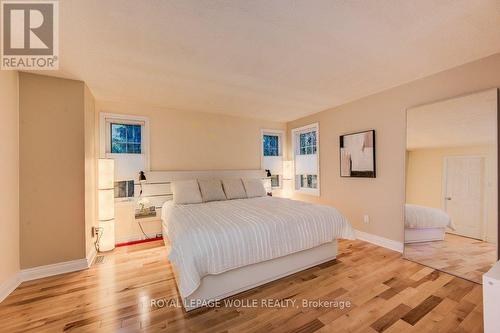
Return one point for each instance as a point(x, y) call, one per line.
point(138, 241)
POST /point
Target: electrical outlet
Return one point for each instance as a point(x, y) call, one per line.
point(96, 231)
point(366, 218)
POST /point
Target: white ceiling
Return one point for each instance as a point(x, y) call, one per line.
point(459, 122)
point(271, 59)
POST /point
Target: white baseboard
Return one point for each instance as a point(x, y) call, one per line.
point(39, 272)
point(380, 241)
point(9, 285)
point(136, 237)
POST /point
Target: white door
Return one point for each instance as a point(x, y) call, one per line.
point(463, 194)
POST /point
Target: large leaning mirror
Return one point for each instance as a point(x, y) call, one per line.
point(451, 211)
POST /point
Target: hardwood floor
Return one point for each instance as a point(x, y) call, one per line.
point(462, 256)
point(386, 294)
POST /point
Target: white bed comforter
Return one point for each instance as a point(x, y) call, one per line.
point(426, 217)
point(215, 237)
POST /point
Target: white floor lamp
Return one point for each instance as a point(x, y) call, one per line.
point(288, 177)
point(106, 204)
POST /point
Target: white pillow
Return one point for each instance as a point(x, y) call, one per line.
point(186, 192)
point(211, 190)
point(234, 188)
point(254, 188)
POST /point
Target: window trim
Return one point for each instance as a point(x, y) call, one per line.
point(281, 141)
point(296, 132)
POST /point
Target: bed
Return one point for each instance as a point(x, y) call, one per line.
point(424, 224)
point(221, 248)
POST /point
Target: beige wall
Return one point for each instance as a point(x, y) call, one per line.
point(424, 179)
point(382, 198)
point(52, 170)
point(183, 140)
point(9, 166)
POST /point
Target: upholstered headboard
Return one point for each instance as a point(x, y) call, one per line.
point(157, 190)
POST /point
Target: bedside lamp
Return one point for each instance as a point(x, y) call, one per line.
point(106, 203)
point(142, 179)
point(145, 210)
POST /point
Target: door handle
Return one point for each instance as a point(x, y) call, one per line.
point(447, 198)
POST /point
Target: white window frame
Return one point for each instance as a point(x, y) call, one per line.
point(295, 134)
point(105, 120)
point(281, 141)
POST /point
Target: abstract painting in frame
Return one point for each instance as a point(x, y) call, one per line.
point(357, 154)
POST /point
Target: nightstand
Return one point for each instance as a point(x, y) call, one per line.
point(127, 224)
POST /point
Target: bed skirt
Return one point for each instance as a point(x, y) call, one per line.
point(416, 235)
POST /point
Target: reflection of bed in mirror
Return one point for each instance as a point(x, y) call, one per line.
point(424, 224)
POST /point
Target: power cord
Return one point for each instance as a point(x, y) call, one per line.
point(140, 226)
point(99, 231)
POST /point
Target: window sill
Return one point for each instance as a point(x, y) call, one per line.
point(124, 154)
point(308, 191)
point(124, 199)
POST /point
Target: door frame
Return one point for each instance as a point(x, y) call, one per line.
point(484, 223)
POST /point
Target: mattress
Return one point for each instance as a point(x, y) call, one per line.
point(418, 217)
point(215, 237)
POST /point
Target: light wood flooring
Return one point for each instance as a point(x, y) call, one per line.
point(387, 294)
point(462, 256)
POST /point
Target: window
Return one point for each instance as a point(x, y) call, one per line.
point(275, 181)
point(125, 139)
point(271, 145)
point(272, 155)
point(308, 143)
point(124, 135)
point(306, 158)
point(309, 181)
point(124, 189)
